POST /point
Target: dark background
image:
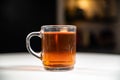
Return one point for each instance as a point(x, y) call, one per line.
point(20, 17)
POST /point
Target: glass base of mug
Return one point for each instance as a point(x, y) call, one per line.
point(58, 68)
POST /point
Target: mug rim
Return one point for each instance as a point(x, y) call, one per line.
point(58, 26)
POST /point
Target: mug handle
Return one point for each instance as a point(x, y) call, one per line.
point(30, 50)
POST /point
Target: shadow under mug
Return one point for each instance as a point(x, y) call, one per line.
point(58, 46)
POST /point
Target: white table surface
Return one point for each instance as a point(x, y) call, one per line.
point(89, 66)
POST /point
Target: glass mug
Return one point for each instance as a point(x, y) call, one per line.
point(58, 46)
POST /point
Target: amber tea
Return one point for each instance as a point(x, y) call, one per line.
point(59, 49)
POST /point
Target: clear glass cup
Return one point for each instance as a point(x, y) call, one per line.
point(58, 46)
